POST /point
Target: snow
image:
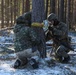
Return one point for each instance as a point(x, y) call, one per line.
point(55, 68)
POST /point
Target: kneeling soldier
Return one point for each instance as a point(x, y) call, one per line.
point(59, 32)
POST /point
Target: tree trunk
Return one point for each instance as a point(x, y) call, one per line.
point(46, 11)
point(61, 10)
point(52, 6)
point(27, 6)
point(65, 11)
point(23, 6)
point(38, 16)
point(74, 11)
point(11, 13)
point(2, 13)
point(68, 13)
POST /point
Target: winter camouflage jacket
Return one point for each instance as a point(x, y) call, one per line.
point(25, 37)
point(60, 32)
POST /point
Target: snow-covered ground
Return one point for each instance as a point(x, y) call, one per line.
point(54, 68)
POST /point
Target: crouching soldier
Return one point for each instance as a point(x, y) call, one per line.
point(25, 38)
point(58, 31)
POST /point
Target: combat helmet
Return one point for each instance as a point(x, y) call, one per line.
point(20, 20)
point(27, 15)
point(52, 16)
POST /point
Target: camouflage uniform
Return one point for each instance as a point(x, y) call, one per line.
point(61, 32)
point(25, 37)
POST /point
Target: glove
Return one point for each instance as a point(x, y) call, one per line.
point(50, 28)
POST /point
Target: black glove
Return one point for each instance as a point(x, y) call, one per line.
point(50, 28)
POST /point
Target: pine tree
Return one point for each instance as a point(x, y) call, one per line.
point(38, 16)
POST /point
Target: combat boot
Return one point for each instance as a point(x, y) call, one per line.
point(34, 63)
point(66, 59)
point(18, 63)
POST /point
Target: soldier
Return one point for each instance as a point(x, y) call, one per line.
point(59, 30)
point(25, 38)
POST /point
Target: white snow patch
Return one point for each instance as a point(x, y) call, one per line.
point(56, 69)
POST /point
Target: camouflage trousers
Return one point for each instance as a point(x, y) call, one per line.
point(62, 51)
point(61, 54)
point(27, 54)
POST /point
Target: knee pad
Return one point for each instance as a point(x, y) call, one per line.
point(61, 51)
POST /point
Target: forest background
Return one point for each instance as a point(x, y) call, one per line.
point(11, 9)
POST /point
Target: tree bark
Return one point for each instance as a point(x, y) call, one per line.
point(74, 11)
point(68, 13)
point(46, 10)
point(27, 6)
point(2, 13)
point(38, 16)
point(61, 10)
point(52, 6)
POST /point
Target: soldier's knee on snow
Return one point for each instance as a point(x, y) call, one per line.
point(61, 51)
point(61, 54)
point(63, 59)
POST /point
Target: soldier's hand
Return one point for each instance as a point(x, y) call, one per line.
point(50, 28)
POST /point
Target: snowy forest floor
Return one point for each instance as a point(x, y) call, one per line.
point(7, 58)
